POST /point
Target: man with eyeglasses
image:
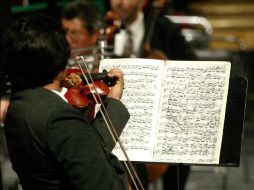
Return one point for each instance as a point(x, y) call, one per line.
point(81, 21)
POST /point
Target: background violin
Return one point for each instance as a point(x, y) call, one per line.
point(113, 24)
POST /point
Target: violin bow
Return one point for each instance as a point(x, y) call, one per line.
point(131, 171)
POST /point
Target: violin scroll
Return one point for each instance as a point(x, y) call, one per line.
point(113, 26)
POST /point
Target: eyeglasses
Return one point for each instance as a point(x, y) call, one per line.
point(76, 34)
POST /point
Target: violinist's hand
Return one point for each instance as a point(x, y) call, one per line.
point(117, 90)
point(4, 103)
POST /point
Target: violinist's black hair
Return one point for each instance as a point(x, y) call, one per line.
point(35, 50)
point(86, 11)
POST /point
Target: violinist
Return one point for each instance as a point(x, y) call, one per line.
point(50, 143)
point(164, 36)
point(82, 23)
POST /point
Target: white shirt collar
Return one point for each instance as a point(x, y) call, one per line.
point(62, 93)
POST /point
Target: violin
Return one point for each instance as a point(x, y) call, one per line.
point(83, 93)
point(79, 93)
point(113, 26)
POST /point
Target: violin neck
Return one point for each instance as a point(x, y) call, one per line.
point(109, 81)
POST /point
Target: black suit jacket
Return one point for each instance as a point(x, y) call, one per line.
point(52, 146)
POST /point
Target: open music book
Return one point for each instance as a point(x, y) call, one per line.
point(177, 109)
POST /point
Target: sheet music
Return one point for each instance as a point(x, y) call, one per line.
point(193, 108)
point(141, 97)
point(177, 109)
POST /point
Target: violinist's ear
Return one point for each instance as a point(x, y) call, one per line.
point(61, 75)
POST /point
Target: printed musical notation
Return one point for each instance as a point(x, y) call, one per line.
point(141, 97)
point(192, 108)
point(177, 109)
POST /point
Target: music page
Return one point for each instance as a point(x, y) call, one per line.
point(177, 109)
point(142, 78)
point(191, 119)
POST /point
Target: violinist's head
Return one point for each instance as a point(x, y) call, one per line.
point(127, 10)
point(81, 20)
point(35, 51)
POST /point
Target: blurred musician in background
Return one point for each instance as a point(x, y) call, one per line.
point(152, 34)
point(165, 35)
point(82, 22)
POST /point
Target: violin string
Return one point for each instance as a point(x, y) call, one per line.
point(110, 125)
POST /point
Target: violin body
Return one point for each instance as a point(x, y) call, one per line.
point(113, 26)
point(155, 171)
point(76, 98)
point(81, 94)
